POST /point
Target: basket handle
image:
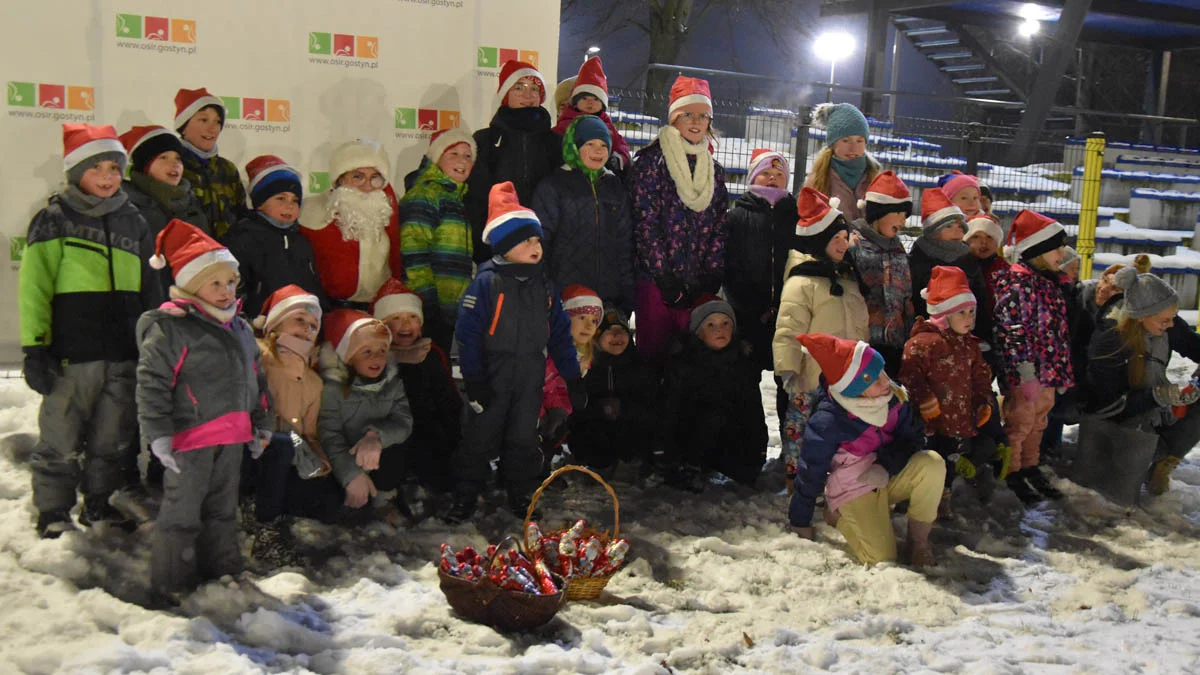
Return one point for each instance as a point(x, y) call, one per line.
point(550, 479)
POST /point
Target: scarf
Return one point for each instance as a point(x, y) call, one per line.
point(173, 198)
point(695, 187)
point(771, 194)
point(873, 411)
point(414, 353)
point(300, 346)
point(573, 161)
point(824, 268)
point(275, 222)
point(872, 235)
point(850, 171)
point(532, 119)
point(91, 205)
point(202, 154)
point(942, 251)
point(221, 316)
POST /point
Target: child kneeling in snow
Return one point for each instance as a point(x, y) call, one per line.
point(862, 452)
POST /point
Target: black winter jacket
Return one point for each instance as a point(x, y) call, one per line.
point(921, 265)
point(623, 378)
point(436, 405)
point(756, 251)
point(269, 259)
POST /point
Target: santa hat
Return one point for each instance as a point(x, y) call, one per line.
point(189, 252)
point(351, 330)
point(85, 145)
point(957, 181)
point(579, 299)
point(886, 194)
point(508, 222)
point(357, 154)
point(708, 305)
point(987, 224)
point(443, 140)
point(393, 298)
point(269, 176)
point(283, 303)
point(817, 212)
point(948, 291)
point(591, 80)
point(849, 366)
point(1033, 234)
point(188, 102)
point(145, 143)
point(510, 73)
point(937, 211)
point(762, 159)
point(686, 91)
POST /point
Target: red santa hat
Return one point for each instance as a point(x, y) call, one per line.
point(188, 102)
point(987, 224)
point(508, 223)
point(511, 72)
point(579, 299)
point(284, 302)
point(351, 330)
point(357, 154)
point(948, 291)
point(817, 212)
point(443, 140)
point(762, 159)
point(84, 142)
point(189, 252)
point(145, 143)
point(887, 189)
point(1033, 234)
point(849, 366)
point(591, 80)
point(686, 91)
point(937, 211)
point(394, 298)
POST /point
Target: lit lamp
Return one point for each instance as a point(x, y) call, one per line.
point(833, 47)
point(591, 51)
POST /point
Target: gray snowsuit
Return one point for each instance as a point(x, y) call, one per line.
point(349, 411)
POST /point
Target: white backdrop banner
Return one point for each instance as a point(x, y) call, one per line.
point(298, 79)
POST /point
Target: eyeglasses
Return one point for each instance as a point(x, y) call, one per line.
point(358, 179)
point(526, 88)
point(696, 117)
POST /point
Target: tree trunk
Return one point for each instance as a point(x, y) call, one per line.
point(668, 29)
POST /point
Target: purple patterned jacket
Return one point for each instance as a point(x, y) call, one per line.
point(1031, 325)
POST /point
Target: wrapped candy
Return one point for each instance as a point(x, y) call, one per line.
point(448, 559)
point(588, 553)
point(545, 581)
point(533, 535)
point(549, 548)
point(615, 557)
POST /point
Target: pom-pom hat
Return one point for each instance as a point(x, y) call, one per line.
point(189, 251)
point(948, 291)
point(511, 73)
point(816, 212)
point(188, 102)
point(394, 298)
point(283, 303)
point(1145, 294)
point(686, 91)
point(886, 194)
point(937, 211)
point(1033, 234)
point(850, 366)
point(840, 120)
point(508, 222)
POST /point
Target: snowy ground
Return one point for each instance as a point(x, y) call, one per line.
point(717, 584)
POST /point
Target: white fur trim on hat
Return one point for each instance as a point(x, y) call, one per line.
point(940, 215)
point(357, 154)
point(343, 345)
point(590, 89)
point(825, 221)
point(950, 304)
point(884, 198)
point(856, 363)
point(987, 226)
point(516, 77)
point(581, 301)
point(195, 107)
point(688, 100)
point(448, 139)
point(391, 305)
point(1044, 234)
point(287, 306)
point(196, 265)
point(258, 178)
point(91, 149)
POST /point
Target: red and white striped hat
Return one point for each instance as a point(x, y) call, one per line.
point(84, 141)
point(189, 251)
point(1033, 234)
point(188, 102)
point(511, 72)
point(936, 210)
point(850, 367)
point(948, 291)
point(591, 80)
point(350, 330)
point(817, 212)
point(579, 299)
point(283, 303)
point(394, 298)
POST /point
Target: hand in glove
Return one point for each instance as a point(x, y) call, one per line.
point(367, 451)
point(578, 394)
point(553, 426)
point(611, 408)
point(161, 448)
point(262, 438)
point(42, 369)
point(674, 293)
point(931, 409)
point(983, 416)
point(479, 395)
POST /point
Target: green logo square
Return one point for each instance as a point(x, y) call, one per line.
point(16, 248)
point(406, 118)
point(318, 182)
point(488, 57)
point(22, 94)
point(129, 26)
point(320, 43)
point(233, 107)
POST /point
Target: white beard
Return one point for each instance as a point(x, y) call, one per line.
point(361, 216)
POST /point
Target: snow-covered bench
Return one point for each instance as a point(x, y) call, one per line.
point(1164, 209)
point(1116, 187)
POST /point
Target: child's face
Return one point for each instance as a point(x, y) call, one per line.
point(962, 321)
point(985, 203)
point(594, 154)
point(363, 179)
point(589, 105)
point(203, 129)
point(583, 328)
point(614, 340)
point(882, 386)
point(405, 327)
point(890, 225)
point(775, 178)
point(166, 168)
point(1157, 324)
point(967, 199)
point(717, 331)
point(221, 290)
point(835, 250)
point(952, 232)
point(1072, 269)
point(982, 245)
point(693, 122)
point(102, 180)
point(528, 251)
point(1049, 261)
point(301, 325)
point(284, 207)
point(457, 161)
point(850, 147)
point(370, 361)
point(526, 93)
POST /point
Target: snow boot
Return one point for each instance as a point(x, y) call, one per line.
point(52, 524)
point(134, 503)
point(463, 508)
point(1016, 482)
point(1160, 475)
point(686, 478)
point(1038, 481)
point(945, 510)
point(98, 510)
point(984, 483)
point(273, 545)
point(920, 551)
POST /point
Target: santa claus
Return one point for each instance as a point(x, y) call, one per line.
point(354, 228)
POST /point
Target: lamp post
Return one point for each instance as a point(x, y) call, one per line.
point(833, 47)
point(591, 51)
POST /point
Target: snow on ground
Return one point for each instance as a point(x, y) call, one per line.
point(716, 584)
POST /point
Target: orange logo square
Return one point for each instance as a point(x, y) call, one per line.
point(529, 56)
point(81, 98)
point(279, 110)
point(183, 30)
point(366, 47)
point(447, 119)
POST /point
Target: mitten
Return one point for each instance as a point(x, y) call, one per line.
point(931, 409)
point(42, 369)
point(161, 447)
point(578, 393)
point(479, 395)
point(983, 416)
point(674, 294)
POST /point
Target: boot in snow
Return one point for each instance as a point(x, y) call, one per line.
point(1016, 482)
point(1038, 481)
point(463, 508)
point(945, 511)
point(273, 545)
point(920, 551)
point(52, 524)
point(1160, 475)
point(984, 483)
point(98, 510)
point(133, 503)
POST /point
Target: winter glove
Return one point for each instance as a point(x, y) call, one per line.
point(611, 407)
point(974, 454)
point(983, 416)
point(42, 369)
point(479, 395)
point(161, 447)
point(553, 426)
point(876, 476)
point(578, 393)
point(262, 438)
point(931, 409)
point(674, 294)
point(1029, 384)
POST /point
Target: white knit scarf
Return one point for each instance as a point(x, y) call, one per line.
point(695, 188)
point(873, 411)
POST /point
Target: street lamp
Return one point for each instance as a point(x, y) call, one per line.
point(833, 47)
point(591, 51)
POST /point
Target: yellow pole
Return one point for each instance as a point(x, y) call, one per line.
point(1093, 163)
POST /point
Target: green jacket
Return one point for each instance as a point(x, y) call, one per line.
point(84, 281)
point(349, 411)
point(435, 241)
point(218, 187)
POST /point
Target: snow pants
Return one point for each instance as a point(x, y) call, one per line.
point(1024, 422)
point(657, 324)
point(90, 416)
point(508, 427)
point(866, 522)
point(196, 532)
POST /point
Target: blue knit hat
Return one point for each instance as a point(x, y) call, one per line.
point(590, 128)
point(839, 121)
point(269, 176)
point(508, 223)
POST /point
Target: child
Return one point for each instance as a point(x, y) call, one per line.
point(862, 453)
point(941, 243)
point(267, 242)
point(507, 322)
point(821, 293)
point(1033, 346)
point(985, 198)
point(984, 237)
point(432, 395)
point(435, 237)
point(199, 119)
point(951, 384)
point(584, 308)
point(587, 217)
point(882, 264)
point(714, 414)
point(963, 191)
point(201, 397)
point(589, 96)
point(679, 205)
point(843, 168)
point(365, 417)
point(156, 185)
point(83, 283)
point(518, 146)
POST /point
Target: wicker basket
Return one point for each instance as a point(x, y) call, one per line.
point(484, 602)
point(579, 588)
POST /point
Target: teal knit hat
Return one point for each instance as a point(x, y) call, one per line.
point(839, 121)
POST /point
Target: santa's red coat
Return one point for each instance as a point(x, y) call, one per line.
point(341, 262)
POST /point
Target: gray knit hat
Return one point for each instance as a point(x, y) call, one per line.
point(1145, 294)
point(713, 305)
